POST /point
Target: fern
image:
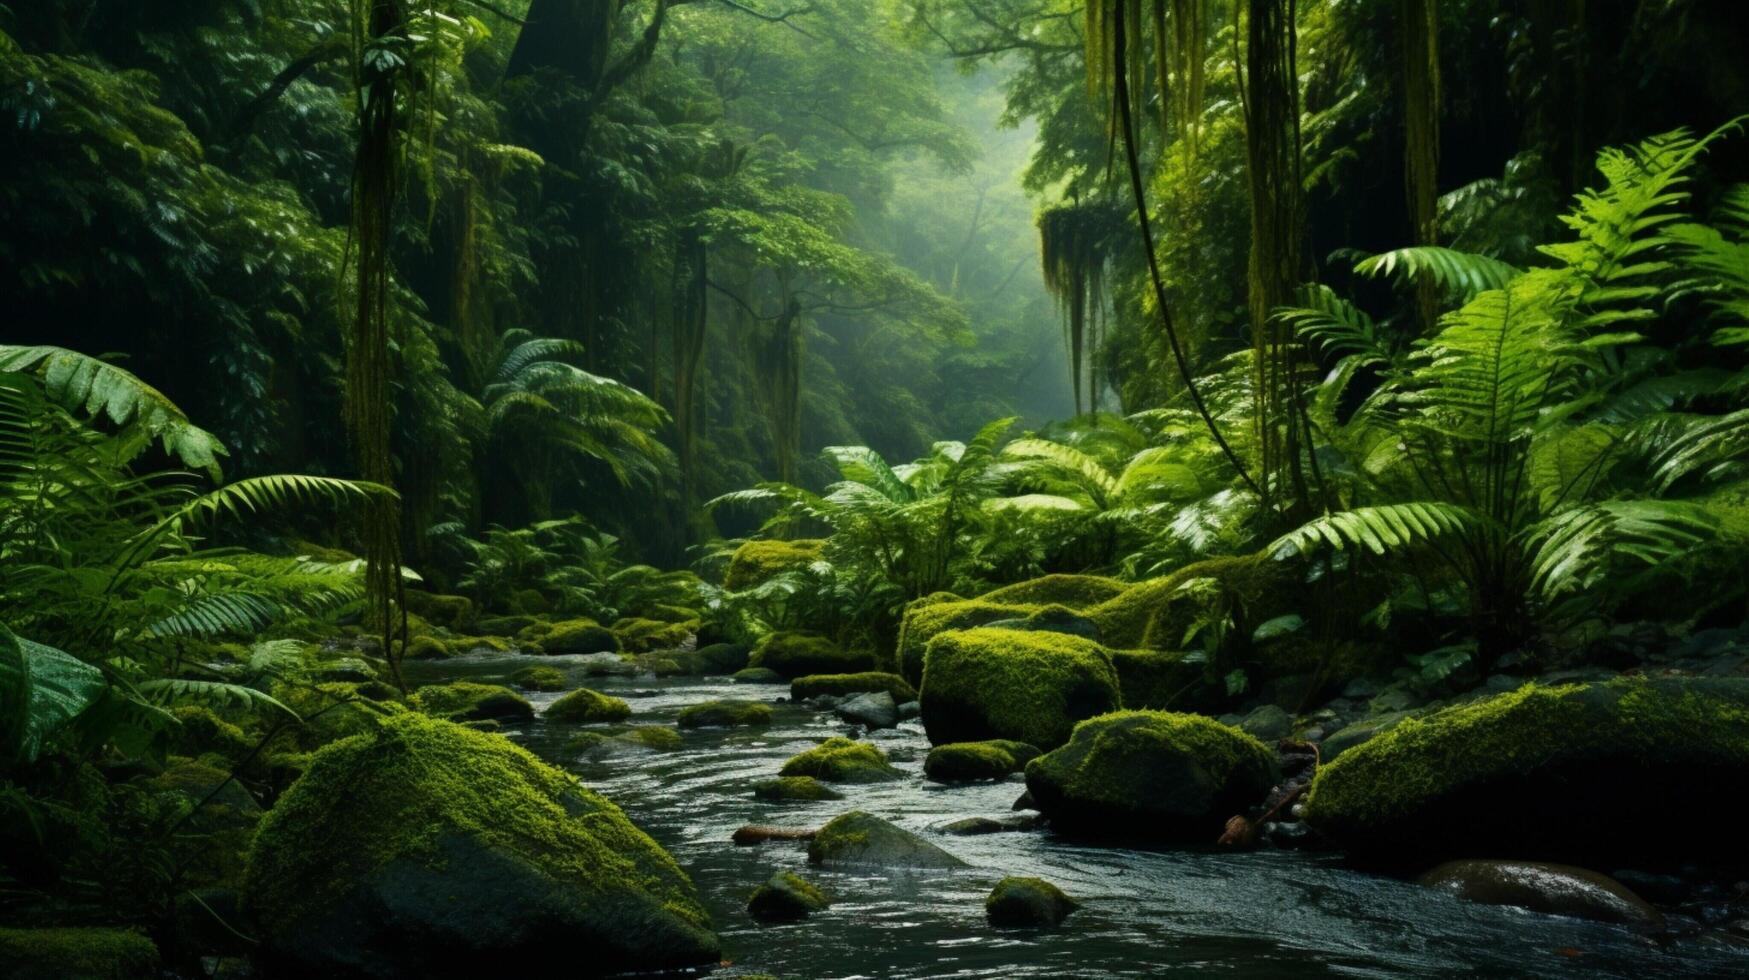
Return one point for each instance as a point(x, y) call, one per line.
point(218, 694)
point(1381, 530)
point(1464, 275)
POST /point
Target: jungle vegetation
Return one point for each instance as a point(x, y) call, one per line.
point(334, 330)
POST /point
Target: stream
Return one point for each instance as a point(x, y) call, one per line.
point(1146, 913)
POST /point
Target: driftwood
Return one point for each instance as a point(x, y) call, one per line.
point(1242, 831)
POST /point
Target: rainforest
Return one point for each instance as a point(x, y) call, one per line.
point(873, 488)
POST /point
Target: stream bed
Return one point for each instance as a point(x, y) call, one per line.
point(1146, 913)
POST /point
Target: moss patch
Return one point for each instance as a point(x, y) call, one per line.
point(1014, 684)
point(1077, 592)
point(646, 635)
point(965, 762)
point(428, 647)
point(577, 636)
point(76, 954)
point(758, 675)
point(838, 685)
point(1027, 902)
point(724, 714)
point(842, 760)
point(1151, 773)
point(199, 730)
point(925, 621)
point(1579, 773)
point(482, 852)
point(539, 679)
point(795, 788)
point(756, 562)
point(787, 897)
point(860, 838)
point(584, 706)
point(468, 701)
point(800, 654)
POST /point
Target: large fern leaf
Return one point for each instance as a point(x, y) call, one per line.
point(1381, 529)
point(1463, 275)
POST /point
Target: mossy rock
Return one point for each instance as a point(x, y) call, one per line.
point(1176, 777)
point(669, 613)
point(1020, 685)
point(796, 788)
point(76, 954)
point(504, 625)
point(637, 635)
point(1077, 592)
point(661, 666)
point(842, 760)
point(787, 897)
point(758, 675)
point(657, 737)
point(428, 647)
point(923, 622)
point(756, 562)
point(453, 611)
point(718, 658)
point(967, 762)
point(1613, 771)
point(724, 714)
point(539, 679)
point(1023, 902)
point(198, 730)
point(795, 655)
point(468, 701)
point(577, 636)
point(839, 685)
point(1162, 680)
point(426, 849)
point(530, 602)
point(862, 839)
point(463, 645)
point(584, 706)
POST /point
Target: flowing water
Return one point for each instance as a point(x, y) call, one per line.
point(1146, 913)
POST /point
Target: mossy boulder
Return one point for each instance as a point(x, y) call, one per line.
point(1077, 592)
point(718, 658)
point(638, 635)
point(1153, 774)
point(428, 647)
point(758, 675)
point(1014, 684)
point(923, 623)
point(76, 954)
point(966, 762)
point(796, 788)
point(505, 625)
point(452, 611)
point(725, 714)
point(578, 636)
point(653, 736)
point(463, 645)
point(425, 849)
point(795, 654)
point(1023, 902)
point(1612, 771)
point(842, 760)
point(530, 602)
point(335, 710)
point(539, 679)
point(756, 562)
point(839, 685)
point(787, 897)
point(584, 706)
point(858, 838)
point(468, 701)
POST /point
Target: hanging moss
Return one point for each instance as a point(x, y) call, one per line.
point(1075, 243)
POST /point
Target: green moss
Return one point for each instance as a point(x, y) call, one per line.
point(964, 762)
point(463, 645)
point(76, 954)
point(653, 736)
point(787, 897)
point(576, 636)
point(860, 838)
point(1565, 773)
point(757, 675)
point(795, 788)
point(1077, 592)
point(539, 679)
point(399, 794)
point(723, 714)
point(468, 701)
point(333, 711)
point(842, 760)
point(1016, 684)
point(838, 685)
point(199, 730)
point(428, 647)
point(667, 613)
point(646, 635)
point(585, 706)
point(924, 622)
point(800, 654)
point(1158, 774)
point(1019, 901)
point(757, 561)
point(453, 611)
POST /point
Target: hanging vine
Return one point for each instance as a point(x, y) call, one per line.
point(1420, 20)
point(381, 46)
point(1075, 243)
point(1113, 44)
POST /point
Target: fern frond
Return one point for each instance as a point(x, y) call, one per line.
point(1576, 549)
point(218, 694)
point(1381, 529)
point(1463, 275)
